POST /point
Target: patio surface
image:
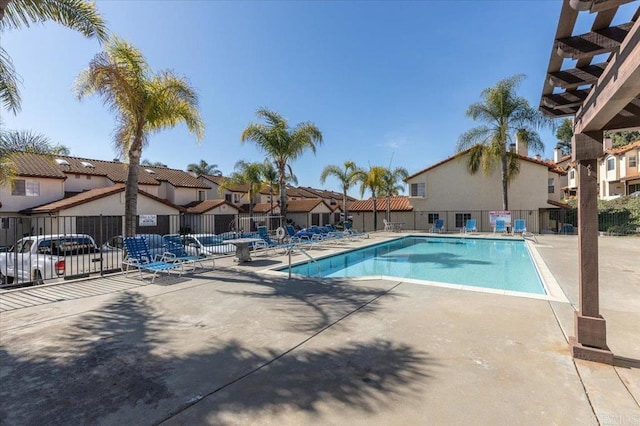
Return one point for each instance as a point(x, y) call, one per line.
point(236, 346)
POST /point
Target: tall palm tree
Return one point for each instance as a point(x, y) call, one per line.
point(372, 180)
point(270, 176)
point(249, 174)
point(391, 186)
point(79, 15)
point(504, 113)
point(282, 143)
point(348, 177)
point(204, 168)
point(144, 102)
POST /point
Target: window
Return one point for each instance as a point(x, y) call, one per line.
point(572, 174)
point(227, 198)
point(236, 198)
point(200, 195)
point(87, 164)
point(611, 164)
point(28, 188)
point(633, 161)
point(4, 223)
point(88, 177)
point(461, 219)
point(315, 219)
point(62, 162)
point(551, 188)
point(418, 190)
point(634, 187)
point(433, 217)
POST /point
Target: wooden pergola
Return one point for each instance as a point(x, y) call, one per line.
point(602, 96)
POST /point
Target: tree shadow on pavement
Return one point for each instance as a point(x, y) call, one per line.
point(124, 364)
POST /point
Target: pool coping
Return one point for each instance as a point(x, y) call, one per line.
point(551, 286)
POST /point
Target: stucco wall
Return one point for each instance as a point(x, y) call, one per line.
point(79, 183)
point(451, 187)
point(182, 196)
point(113, 205)
point(50, 190)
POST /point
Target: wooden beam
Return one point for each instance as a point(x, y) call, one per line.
point(576, 77)
point(565, 99)
point(602, 5)
point(566, 22)
point(618, 86)
point(558, 113)
point(592, 43)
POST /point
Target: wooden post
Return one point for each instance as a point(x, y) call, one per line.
point(590, 341)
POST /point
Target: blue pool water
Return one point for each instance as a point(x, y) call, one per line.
point(497, 264)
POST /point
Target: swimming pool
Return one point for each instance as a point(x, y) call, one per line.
point(478, 262)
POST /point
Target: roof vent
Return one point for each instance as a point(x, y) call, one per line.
point(150, 171)
point(87, 164)
point(62, 162)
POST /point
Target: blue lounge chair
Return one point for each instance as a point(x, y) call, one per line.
point(500, 226)
point(470, 226)
point(438, 226)
point(519, 226)
point(268, 243)
point(174, 252)
point(138, 256)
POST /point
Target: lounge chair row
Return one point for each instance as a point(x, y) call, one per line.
point(500, 226)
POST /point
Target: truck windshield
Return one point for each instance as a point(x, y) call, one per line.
point(22, 247)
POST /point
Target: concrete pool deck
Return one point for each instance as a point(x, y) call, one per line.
point(237, 346)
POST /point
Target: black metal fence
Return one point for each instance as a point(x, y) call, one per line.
point(46, 248)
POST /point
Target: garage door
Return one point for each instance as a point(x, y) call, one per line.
point(101, 228)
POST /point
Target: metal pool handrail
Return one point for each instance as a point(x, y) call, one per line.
point(303, 251)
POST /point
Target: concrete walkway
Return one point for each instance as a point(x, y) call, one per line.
point(236, 346)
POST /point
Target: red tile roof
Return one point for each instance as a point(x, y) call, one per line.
point(623, 149)
point(399, 203)
point(38, 165)
point(199, 207)
point(87, 197)
point(305, 205)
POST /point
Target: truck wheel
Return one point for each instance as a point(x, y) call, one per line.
point(37, 278)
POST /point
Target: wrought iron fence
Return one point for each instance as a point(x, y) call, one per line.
point(45, 248)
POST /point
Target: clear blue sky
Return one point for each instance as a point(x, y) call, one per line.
point(380, 79)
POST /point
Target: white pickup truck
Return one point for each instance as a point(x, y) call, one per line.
point(38, 258)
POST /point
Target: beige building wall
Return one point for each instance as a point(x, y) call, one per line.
point(50, 190)
point(151, 189)
point(450, 187)
point(79, 183)
point(182, 196)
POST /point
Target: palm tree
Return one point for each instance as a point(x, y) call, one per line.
point(391, 187)
point(79, 15)
point(505, 114)
point(249, 174)
point(372, 180)
point(348, 177)
point(28, 141)
point(270, 176)
point(23, 141)
point(283, 144)
point(144, 102)
point(204, 168)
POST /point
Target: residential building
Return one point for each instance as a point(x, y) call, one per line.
point(447, 188)
point(618, 172)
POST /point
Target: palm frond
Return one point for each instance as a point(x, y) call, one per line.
point(78, 15)
point(475, 136)
point(9, 81)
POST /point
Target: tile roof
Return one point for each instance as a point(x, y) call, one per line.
point(326, 194)
point(260, 207)
point(623, 149)
point(305, 205)
point(549, 164)
point(399, 203)
point(87, 197)
point(199, 207)
point(559, 204)
point(38, 165)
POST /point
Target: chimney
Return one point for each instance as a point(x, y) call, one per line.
point(521, 147)
point(512, 147)
point(557, 155)
point(607, 143)
point(538, 157)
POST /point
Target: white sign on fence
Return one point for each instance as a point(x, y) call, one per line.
point(500, 215)
point(148, 220)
